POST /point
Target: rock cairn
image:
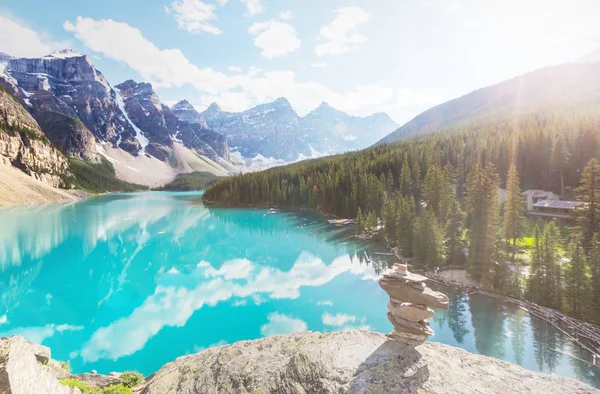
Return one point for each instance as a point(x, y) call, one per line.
point(410, 304)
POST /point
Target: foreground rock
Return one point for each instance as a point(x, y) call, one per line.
point(26, 368)
point(350, 361)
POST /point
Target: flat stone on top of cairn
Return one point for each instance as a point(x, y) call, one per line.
point(409, 304)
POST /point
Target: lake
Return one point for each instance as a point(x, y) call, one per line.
point(133, 281)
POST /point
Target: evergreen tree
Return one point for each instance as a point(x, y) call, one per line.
point(428, 241)
point(513, 216)
point(576, 280)
point(535, 289)
point(405, 220)
point(360, 222)
point(588, 209)
point(482, 219)
point(559, 159)
point(594, 263)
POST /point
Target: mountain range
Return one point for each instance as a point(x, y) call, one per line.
point(275, 130)
point(148, 143)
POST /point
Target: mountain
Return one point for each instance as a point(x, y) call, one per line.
point(162, 128)
point(24, 145)
point(274, 130)
point(553, 88)
point(80, 113)
point(330, 130)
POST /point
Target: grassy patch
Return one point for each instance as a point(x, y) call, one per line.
point(99, 178)
point(85, 389)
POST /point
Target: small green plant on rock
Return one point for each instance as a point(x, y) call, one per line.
point(85, 389)
point(131, 378)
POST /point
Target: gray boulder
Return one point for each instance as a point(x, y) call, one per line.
point(348, 362)
point(25, 368)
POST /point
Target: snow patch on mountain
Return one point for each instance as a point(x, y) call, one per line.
point(138, 133)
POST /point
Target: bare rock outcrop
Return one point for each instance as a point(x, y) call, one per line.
point(24, 145)
point(26, 368)
point(348, 362)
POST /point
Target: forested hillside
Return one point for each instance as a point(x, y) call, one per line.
point(553, 88)
point(437, 198)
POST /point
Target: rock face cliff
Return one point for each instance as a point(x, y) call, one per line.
point(275, 129)
point(348, 362)
point(76, 108)
point(24, 145)
point(67, 83)
point(161, 127)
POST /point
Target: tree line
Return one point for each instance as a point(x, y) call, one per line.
point(437, 201)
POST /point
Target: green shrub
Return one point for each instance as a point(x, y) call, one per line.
point(66, 366)
point(115, 389)
point(84, 388)
point(132, 379)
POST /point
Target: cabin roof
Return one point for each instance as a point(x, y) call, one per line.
point(556, 204)
point(536, 193)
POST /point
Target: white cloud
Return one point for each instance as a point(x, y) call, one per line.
point(254, 7)
point(274, 38)
point(40, 334)
point(170, 68)
point(194, 16)
point(173, 271)
point(235, 69)
point(3, 320)
point(319, 65)
point(20, 41)
point(164, 68)
point(172, 306)
point(232, 269)
point(337, 320)
point(341, 35)
point(222, 3)
point(286, 15)
point(282, 324)
point(424, 97)
point(325, 303)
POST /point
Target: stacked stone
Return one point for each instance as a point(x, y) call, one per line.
point(410, 304)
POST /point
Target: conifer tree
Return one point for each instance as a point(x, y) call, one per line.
point(559, 159)
point(360, 222)
point(535, 288)
point(482, 219)
point(428, 241)
point(588, 209)
point(594, 264)
point(405, 220)
point(576, 280)
point(513, 216)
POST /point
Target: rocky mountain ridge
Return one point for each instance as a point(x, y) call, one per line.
point(275, 130)
point(78, 109)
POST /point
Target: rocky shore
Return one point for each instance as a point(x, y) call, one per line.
point(307, 362)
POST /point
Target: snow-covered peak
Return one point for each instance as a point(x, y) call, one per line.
point(183, 105)
point(64, 54)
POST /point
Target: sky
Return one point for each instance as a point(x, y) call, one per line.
point(360, 56)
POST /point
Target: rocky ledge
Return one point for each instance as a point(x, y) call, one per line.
point(307, 362)
point(348, 362)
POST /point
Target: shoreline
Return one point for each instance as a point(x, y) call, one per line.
point(585, 334)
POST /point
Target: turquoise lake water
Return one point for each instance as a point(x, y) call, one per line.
point(133, 281)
